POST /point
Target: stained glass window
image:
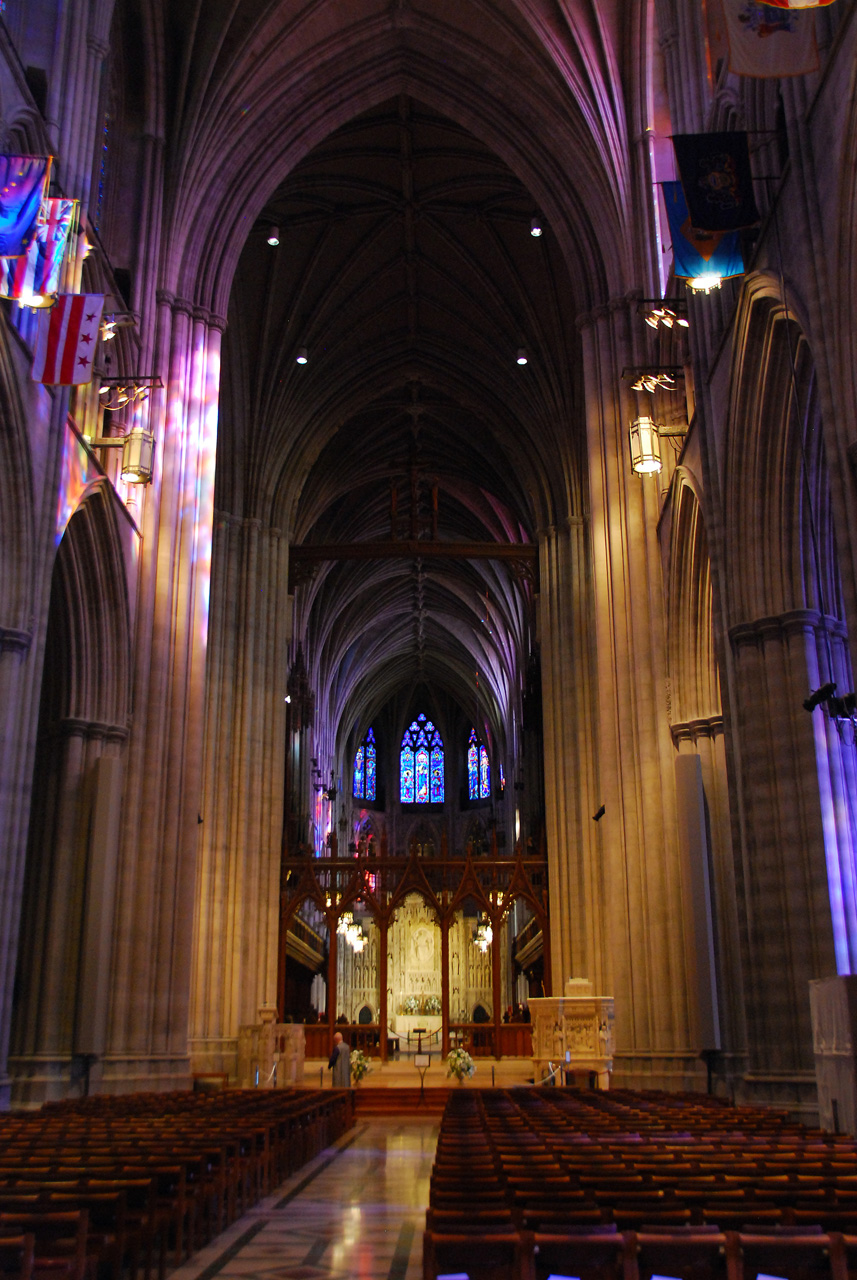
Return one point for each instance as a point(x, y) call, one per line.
point(484, 775)
point(478, 769)
point(364, 768)
point(421, 764)
point(472, 767)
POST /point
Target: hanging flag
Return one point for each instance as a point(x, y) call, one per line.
point(717, 180)
point(699, 253)
point(32, 278)
point(797, 4)
point(765, 41)
point(23, 179)
point(66, 341)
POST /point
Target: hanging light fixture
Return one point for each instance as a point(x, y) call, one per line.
point(535, 227)
point(273, 235)
point(522, 355)
point(138, 452)
point(301, 357)
point(484, 935)
point(645, 446)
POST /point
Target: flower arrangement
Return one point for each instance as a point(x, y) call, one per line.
point(411, 1005)
point(360, 1065)
point(460, 1064)
point(432, 1004)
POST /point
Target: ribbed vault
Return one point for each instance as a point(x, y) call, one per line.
point(407, 270)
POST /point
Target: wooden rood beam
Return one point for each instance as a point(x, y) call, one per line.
point(524, 554)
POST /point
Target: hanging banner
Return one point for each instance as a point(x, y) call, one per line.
point(66, 341)
point(766, 42)
point(699, 253)
point(34, 277)
point(23, 181)
point(717, 180)
point(797, 4)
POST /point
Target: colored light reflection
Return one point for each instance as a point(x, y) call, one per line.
point(77, 472)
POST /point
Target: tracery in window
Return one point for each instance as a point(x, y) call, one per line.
point(421, 764)
point(365, 768)
point(478, 769)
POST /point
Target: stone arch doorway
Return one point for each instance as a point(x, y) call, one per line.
point(61, 1019)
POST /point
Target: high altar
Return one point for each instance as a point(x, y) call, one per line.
point(574, 1030)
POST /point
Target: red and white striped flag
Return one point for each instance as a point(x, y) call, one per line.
point(797, 4)
point(35, 275)
point(68, 334)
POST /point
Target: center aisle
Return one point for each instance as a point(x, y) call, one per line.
point(357, 1210)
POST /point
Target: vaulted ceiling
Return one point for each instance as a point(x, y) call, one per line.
point(407, 270)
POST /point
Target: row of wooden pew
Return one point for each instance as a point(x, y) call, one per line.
point(103, 1188)
point(533, 1173)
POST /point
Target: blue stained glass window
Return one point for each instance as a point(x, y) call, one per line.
point(421, 764)
point(364, 768)
point(478, 769)
point(370, 765)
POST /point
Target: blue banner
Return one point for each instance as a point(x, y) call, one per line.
point(699, 253)
point(22, 179)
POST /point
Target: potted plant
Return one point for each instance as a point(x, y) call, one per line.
point(411, 1005)
point(460, 1064)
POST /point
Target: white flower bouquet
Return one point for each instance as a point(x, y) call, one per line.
point(432, 1004)
point(360, 1065)
point(460, 1064)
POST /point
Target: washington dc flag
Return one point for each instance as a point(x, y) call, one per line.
point(68, 335)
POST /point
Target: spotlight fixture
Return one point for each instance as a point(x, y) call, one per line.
point(273, 235)
point(705, 283)
point(535, 227)
point(118, 393)
point(654, 378)
point(301, 357)
point(820, 695)
point(522, 355)
point(661, 314)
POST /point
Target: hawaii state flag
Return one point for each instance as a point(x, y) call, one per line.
point(766, 40)
point(33, 277)
point(66, 341)
point(699, 253)
point(22, 182)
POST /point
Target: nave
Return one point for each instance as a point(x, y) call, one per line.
point(358, 1209)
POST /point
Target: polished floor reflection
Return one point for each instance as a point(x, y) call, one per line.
point(357, 1210)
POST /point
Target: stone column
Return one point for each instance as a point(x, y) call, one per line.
point(148, 1027)
point(796, 873)
point(638, 877)
point(382, 983)
point(238, 880)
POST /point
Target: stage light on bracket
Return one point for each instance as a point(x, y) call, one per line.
point(301, 357)
point(822, 694)
point(535, 227)
point(522, 355)
point(273, 236)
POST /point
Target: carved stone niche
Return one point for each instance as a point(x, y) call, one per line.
point(573, 1032)
point(268, 1044)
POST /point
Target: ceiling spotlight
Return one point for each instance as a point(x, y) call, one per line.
point(273, 235)
point(301, 357)
point(535, 226)
point(522, 355)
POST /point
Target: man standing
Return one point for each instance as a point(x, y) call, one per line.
point(340, 1063)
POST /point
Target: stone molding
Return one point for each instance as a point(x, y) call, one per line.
point(13, 640)
point(785, 625)
point(693, 730)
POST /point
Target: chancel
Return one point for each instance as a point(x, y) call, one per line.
point(427, 556)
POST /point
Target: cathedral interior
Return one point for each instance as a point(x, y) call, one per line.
point(394, 696)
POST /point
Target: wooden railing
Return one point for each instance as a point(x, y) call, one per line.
point(516, 1040)
point(365, 1036)
point(476, 1037)
point(480, 1039)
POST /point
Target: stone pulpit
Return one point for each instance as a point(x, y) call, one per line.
point(573, 1031)
point(267, 1044)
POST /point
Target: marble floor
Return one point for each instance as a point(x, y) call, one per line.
point(357, 1210)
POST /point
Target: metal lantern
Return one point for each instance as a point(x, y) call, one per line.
point(645, 446)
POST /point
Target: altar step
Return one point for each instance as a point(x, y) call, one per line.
point(399, 1100)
